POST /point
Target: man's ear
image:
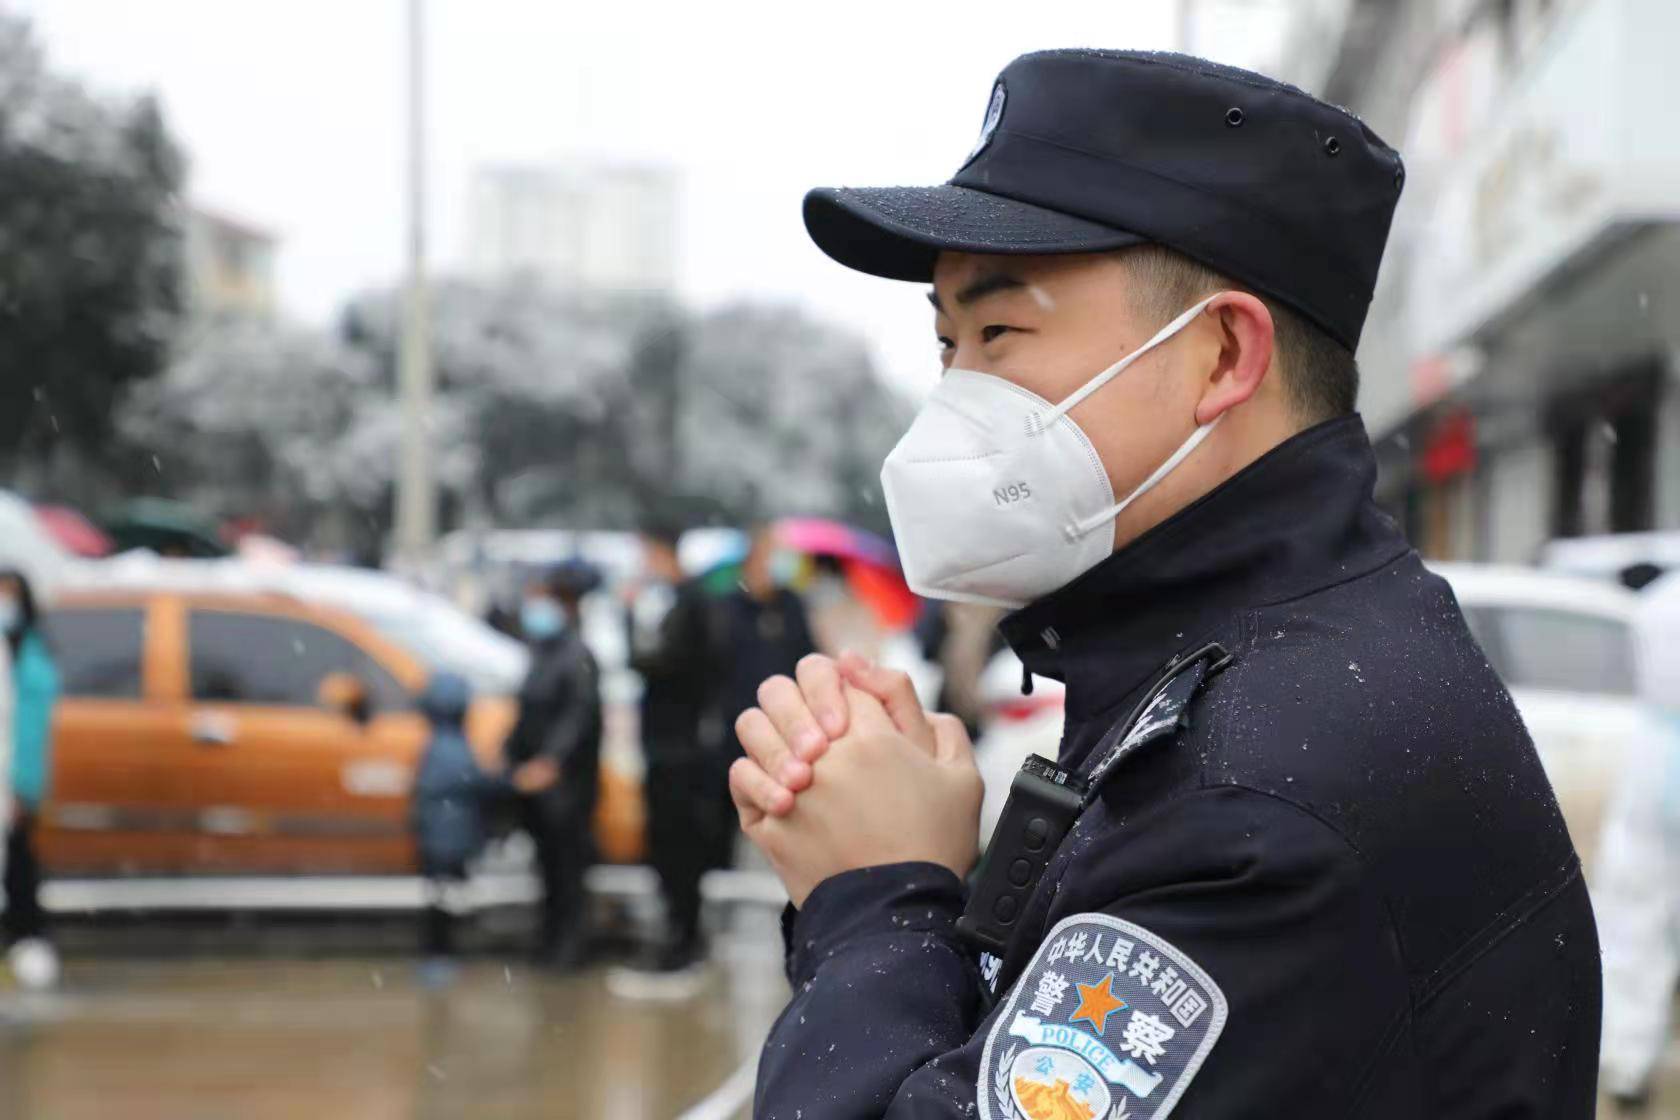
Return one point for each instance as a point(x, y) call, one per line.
point(1245, 353)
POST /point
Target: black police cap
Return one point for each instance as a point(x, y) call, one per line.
point(572, 578)
point(1086, 150)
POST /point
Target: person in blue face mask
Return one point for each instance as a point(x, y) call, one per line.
point(560, 724)
point(765, 629)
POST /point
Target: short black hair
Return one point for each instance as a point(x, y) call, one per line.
point(1320, 375)
point(572, 579)
point(662, 532)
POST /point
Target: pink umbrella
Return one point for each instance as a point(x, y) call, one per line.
point(869, 562)
point(75, 533)
point(819, 536)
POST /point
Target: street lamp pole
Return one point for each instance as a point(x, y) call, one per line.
point(416, 488)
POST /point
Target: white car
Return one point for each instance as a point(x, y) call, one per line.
point(1016, 725)
point(437, 631)
point(428, 625)
point(1563, 645)
point(28, 547)
point(1607, 557)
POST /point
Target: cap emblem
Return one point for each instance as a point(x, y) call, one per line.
point(994, 114)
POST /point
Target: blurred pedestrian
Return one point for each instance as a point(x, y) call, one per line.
point(672, 624)
point(1636, 892)
point(34, 689)
point(1636, 898)
point(961, 639)
point(6, 708)
point(840, 620)
point(452, 796)
point(765, 630)
point(560, 722)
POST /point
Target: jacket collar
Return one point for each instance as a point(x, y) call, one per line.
point(1298, 519)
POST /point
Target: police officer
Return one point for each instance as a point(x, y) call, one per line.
point(670, 623)
point(1297, 855)
point(559, 727)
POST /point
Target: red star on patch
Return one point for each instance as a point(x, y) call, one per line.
point(1097, 1002)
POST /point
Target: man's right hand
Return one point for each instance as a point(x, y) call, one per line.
point(797, 719)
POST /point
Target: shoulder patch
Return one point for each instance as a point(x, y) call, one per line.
point(1107, 1022)
point(1166, 712)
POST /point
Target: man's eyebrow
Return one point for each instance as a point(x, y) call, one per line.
point(988, 285)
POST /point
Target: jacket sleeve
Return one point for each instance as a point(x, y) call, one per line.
point(680, 648)
point(803, 641)
point(573, 708)
point(1258, 896)
point(6, 731)
point(882, 988)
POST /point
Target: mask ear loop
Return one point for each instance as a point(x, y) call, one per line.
point(1119, 367)
point(1086, 524)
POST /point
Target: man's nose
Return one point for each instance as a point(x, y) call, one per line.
point(970, 355)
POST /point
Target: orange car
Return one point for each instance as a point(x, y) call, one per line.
point(248, 733)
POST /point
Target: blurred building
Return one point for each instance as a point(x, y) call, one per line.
point(230, 265)
point(607, 226)
point(1522, 360)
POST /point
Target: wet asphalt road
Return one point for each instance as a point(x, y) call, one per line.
point(183, 1022)
point(250, 1035)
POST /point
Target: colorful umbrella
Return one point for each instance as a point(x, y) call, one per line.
point(819, 536)
point(884, 591)
point(77, 535)
point(166, 527)
point(869, 563)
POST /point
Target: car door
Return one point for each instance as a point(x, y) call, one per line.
point(120, 801)
point(1572, 675)
point(290, 786)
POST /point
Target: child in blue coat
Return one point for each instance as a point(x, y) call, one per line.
point(450, 801)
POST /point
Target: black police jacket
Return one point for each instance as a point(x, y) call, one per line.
point(679, 665)
point(1332, 882)
point(560, 718)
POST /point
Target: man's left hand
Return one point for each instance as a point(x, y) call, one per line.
point(898, 786)
point(536, 775)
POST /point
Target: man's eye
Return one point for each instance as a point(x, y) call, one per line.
point(993, 333)
point(946, 344)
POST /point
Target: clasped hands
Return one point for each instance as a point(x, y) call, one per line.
point(845, 770)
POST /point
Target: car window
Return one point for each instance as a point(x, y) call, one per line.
point(1562, 650)
point(447, 640)
point(98, 650)
point(265, 659)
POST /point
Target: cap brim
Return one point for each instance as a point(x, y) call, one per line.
point(898, 232)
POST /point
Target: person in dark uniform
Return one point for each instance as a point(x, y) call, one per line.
point(560, 723)
point(670, 620)
point(1297, 856)
point(762, 626)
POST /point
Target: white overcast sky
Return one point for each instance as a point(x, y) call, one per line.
point(292, 114)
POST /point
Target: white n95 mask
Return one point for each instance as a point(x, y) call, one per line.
point(996, 496)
